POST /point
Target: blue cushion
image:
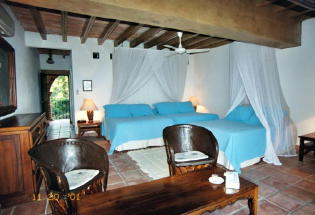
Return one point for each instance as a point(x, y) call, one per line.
point(253, 120)
point(240, 113)
point(185, 107)
point(140, 110)
point(117, 111)
point(164, 108)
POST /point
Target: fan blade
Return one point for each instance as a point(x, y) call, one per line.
point(191, 51)
point(170, 47)
point(198, 52)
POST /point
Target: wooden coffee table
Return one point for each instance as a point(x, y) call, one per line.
point(190, 193)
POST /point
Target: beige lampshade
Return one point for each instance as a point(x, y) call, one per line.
point(194, 100)
point(88, 104)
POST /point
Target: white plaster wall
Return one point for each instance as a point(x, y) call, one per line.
point(84, 67)
point(208, 79)
point(297, 76)
point(60, 62)
point(27, 71)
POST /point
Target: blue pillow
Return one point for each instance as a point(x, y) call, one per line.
point(140, 110)
point(185, 107)
point(117, 111)
point(240, 113)
point(253, 120)
point(164, 108)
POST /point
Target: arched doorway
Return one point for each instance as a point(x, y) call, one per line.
point(56, 99)
point(59, 98)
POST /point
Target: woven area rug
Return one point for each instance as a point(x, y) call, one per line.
point(152, 161)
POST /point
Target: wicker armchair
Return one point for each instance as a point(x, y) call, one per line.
point(71, 169)
point(184, 138)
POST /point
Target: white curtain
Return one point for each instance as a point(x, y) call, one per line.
point(134, 69)
point(254, 76)
point(172, 76)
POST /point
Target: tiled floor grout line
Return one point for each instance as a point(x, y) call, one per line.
point(118, 173)
point(279, 206)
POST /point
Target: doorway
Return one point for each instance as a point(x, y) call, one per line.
point(59, 98)
point(56, 99)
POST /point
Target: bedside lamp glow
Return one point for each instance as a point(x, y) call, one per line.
point(201, 109)
point(90, 107)
point(194, 100)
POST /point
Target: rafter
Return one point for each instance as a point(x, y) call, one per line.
point(87, 28)
point(204, 43)
point(145, 36)
point(307, 4)
point(37, 18)
point(221, 43)
point(299, 14)
point(108, 30)
point(266, 3)
point(175, 40)
point(211, 44)
point(161, 39)
point(64, 25)
point(285, 8)
point(127, 33)
point(195, 40)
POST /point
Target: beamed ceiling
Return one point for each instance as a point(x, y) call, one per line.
point(64, 23)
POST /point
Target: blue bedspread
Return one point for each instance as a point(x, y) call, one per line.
point(184, 118)
point(238, 141)
point(121, 130)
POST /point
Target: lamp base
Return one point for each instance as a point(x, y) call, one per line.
point(90, 114)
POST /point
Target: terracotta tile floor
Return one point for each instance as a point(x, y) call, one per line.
point(286, 189)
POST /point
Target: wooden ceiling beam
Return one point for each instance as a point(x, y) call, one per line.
point(37, 18)
point(64, 25)
point(145, 36)
point(285, 8)
point(302, 13)
point(307, 4)
point(175, 40)
point(108, 30)
point(216, 44)
point(242, 20)
point(204, 43)
point(54, 51)
point(266, 3)
point(168, 35)
point(87, 28)
point(127, 33)
point(195, 40)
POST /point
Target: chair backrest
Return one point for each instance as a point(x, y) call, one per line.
point(59, 156)
point(185, 137)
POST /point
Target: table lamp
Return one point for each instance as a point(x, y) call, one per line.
point(89, 106)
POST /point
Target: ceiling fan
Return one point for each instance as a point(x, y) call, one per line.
point(181, 50)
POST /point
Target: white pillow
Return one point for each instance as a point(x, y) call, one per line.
point(79, 177)
point(190, 156)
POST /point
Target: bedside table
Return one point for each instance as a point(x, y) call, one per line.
point(89, 126)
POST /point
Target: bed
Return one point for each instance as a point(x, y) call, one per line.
point(134, 126)
point(241, 136)
point(240, 144)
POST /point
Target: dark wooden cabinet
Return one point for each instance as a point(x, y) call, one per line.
point(17, 135)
